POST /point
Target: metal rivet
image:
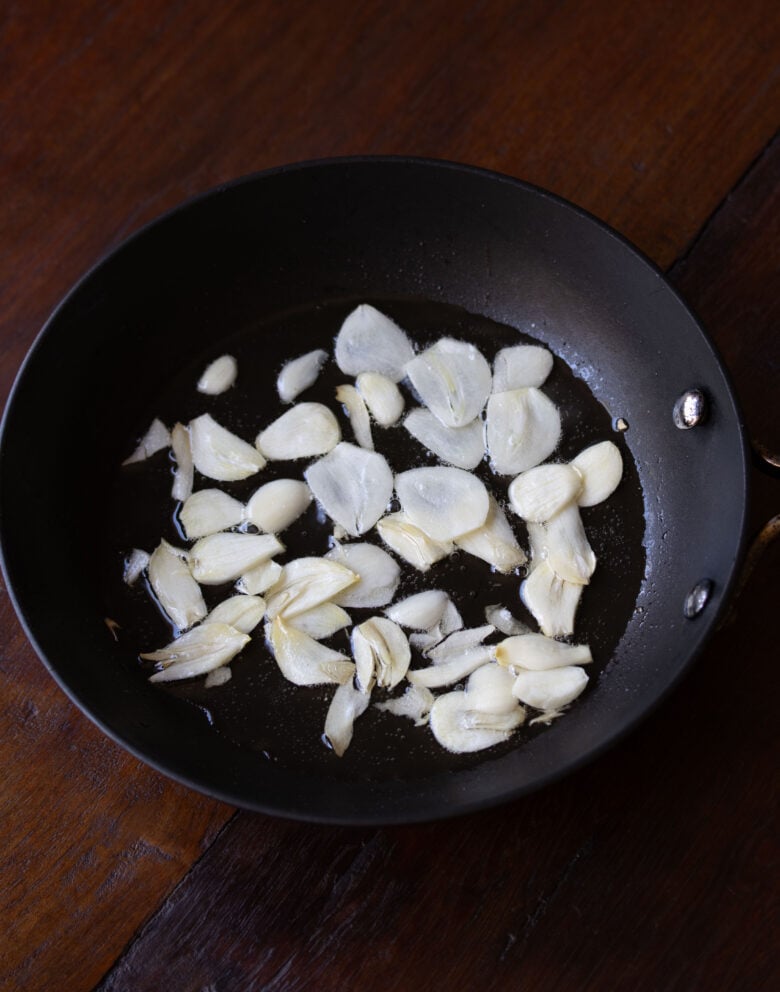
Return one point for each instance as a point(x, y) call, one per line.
point(697, 598)
point(690, 409)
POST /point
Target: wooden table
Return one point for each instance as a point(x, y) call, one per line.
point(655, 868)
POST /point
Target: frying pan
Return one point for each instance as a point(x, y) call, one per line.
point(387, 229)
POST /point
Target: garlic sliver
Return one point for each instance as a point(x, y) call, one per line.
point(219, 454)
point(443, 502)
point(304, 584)
point(452, 670)
point(258, 579)
point(453, 380)
point(155, 439)
point(521, 366)
point(197, 652)
point(422, 611)
point(135, 564)
point(217, 677)
point(454, 726)
point(277, 504)
point(541, 492)
point(601, 468)
point(305, 430)
point(182, 453)
point(304, 661)
point(552, 601)
point(381, 652)
point(489, 689)
point(298, 374)
point(176, 590)
point(550, 690)
point(494, 542)
point(219, 376)
point(225, 557)
point(357, 411)
point(347, 705)
point(383, 398)
point(566, 548)
point(368, 341)
point(539, 653)
point(208, 512)
point(460, 641)
point(523, 428)
point(352, 485)
point(463, 447)
point(378, 575)
point(412, 544)
point(415, 704)
point(322, 621)
point(243, 613)
point(503, 620)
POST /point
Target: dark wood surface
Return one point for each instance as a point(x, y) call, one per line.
point(655, 868)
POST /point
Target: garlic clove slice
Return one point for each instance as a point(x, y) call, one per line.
point(322, 621)
point(368, 341)
point(523, 428)
point(443, 502)
point(175, 589)
point(225, 557)
point(412, 544)
point(463, 447)
point(305, 430)
point(503, 620)
point(521, 366)
point(422, 611)
point(258, 579)
point(306, 583)
point(347, 705)
point(436, 676)
point(243, 613)
point(383, 398)
point(489, 689)
point(415, 704)
point(300, 373)
point(155, 439)
point(304, 661)
point(453, 380)
point(494, 542)
point(539, 653)
point(552, 601)
point(352, 485)
point(219, 376)
point(550, 690)
point(182, 453)
point(135, 565)
point(456, 728)
point(277, 504)
point(460, 641)
point(541, 492)
point(565, 546)
point(381, 652)
point(219, 454)
point(357, 411)
point(208, 512)
point(378, 575)
point(197, 652)
point(601, 468)
point(217, 677)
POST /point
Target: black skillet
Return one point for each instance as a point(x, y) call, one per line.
point(262, 260)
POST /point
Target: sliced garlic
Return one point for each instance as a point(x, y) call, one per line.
point(135, 564)
point(383, 398)
point(452, 379)
point(459, 642)
point(381, 652)
point(460, 729)
point(463, 447)
point(219, 376)
point(304, 661)
point(494, 542)
point(352, 485)
point(260, 578)
point(538, 653)
point(601, 468)
point(412, 544)
point(422, 611)
point(217, 677)
point(370, 342)
point(550, 690)
point(443, 502)
point(305, 430)
point(347, 705)
point(277, 504)
point(243, 613)
point(378, 575)
point(539, 493)
point(298, 374)
point(197, 652)
point(357, 411)
point(176, 590)
point(503, 620)
point(523, 428)
point(322, 621)
point(306, 583)
point(552, 601)
point(448, 672)
point(415, 704)
point(450, 620)
point(521, 366)
point(565, 546)
point(182, 453)
point(225, 557)
point(155, 439)
point(490, 690)
point(219, 454)
point(208, 512)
